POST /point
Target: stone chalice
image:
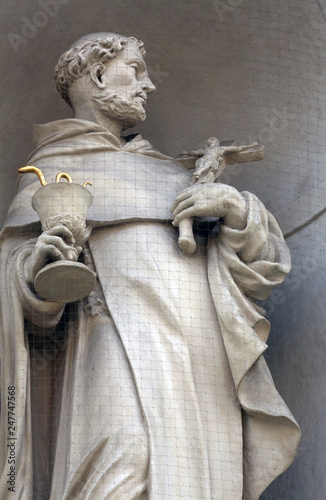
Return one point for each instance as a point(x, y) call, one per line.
point(63, 203)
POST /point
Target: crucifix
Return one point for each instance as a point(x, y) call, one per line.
point(211, 162)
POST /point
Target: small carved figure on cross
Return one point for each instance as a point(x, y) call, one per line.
point(210, 164)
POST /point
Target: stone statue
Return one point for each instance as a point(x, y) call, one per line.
point(154, 386)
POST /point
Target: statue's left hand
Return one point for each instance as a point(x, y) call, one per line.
point(211, 200)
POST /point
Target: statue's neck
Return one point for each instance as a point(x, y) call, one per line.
point(96, 116)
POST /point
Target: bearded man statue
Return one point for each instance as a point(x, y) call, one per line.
point(154, 386)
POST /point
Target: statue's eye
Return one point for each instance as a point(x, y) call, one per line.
point(135, 67)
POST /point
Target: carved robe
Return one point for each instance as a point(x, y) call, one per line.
point(159, 389)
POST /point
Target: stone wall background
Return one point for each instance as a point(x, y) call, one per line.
point(237, 69)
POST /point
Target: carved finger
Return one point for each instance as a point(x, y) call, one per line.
point(72, 255)
point(186, 193)
point(63, 232)
point(51, 251)
point(183, 205)
point(202, 208)
point(57, 241)
point(67, 251)
point(185, 214)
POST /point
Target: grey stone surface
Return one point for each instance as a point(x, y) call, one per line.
point(255, 71)
point(297, 360)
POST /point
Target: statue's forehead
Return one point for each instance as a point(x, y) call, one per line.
point(131, 51)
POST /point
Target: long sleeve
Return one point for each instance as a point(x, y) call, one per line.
point(257, 256)
point(18, 304)
point(37, 311)
point(245, 265)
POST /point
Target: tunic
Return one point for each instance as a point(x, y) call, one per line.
point(163, 369)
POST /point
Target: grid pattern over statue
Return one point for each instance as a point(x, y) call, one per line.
point(139, 273)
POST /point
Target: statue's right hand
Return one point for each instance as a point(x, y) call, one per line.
point(54, 244)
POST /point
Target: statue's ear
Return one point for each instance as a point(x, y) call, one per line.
point(97, 71)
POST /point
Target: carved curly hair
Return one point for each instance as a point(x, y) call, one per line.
point(77, 61)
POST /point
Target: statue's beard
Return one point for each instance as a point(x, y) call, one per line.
point(127, 111)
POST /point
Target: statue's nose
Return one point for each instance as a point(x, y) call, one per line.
point(148, 86)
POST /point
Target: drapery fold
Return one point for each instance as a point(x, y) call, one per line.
point(271, 435)
point(14, 373)
point(243, 266)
